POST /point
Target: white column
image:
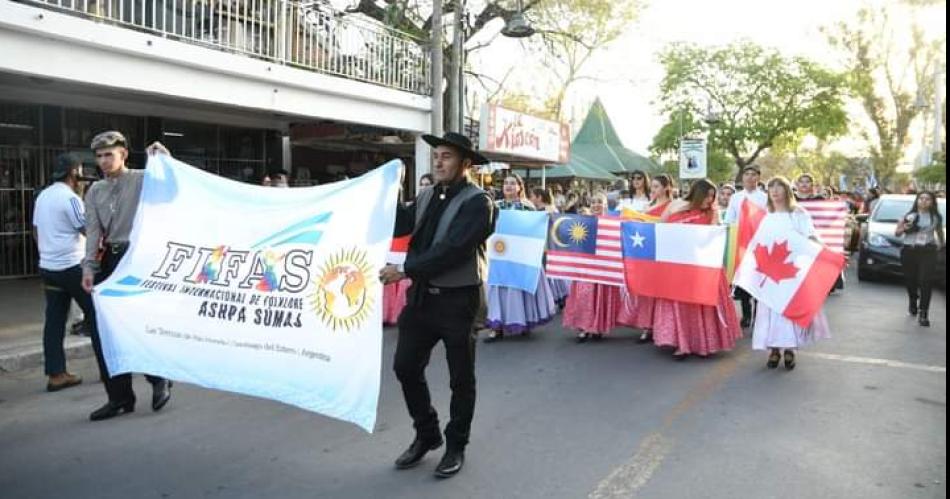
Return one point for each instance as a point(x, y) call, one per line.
point(423, 159)
point(286, 161)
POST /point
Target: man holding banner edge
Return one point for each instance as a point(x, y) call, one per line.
point(449, 223)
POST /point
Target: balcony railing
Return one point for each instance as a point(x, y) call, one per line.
point(301, 34)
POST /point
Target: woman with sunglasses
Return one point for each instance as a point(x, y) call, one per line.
point(639, 195)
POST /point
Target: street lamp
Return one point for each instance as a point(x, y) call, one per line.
point(920, 104)
point(517, 26)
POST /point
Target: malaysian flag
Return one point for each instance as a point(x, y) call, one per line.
point(585, 248)
point(831, 218)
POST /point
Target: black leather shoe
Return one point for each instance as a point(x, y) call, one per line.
point(416, 451)
point(923, 320)
point(112, 409)
point(161, 394)
point(451, 463)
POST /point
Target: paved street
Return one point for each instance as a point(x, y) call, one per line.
point(863, 415)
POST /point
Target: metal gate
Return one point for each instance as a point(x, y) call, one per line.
point(23, 173)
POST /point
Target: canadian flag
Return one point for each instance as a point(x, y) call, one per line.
point(398, 250)
point(787, 271)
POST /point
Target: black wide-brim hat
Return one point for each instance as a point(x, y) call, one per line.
point(460, 142)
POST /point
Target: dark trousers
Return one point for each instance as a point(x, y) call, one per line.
point(61, 287)
point(448, 317)
point(745, 300)
point(119, 388)
point(920, 268)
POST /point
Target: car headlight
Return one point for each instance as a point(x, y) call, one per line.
point(879, 241)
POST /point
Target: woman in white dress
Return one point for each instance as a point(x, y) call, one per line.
point(773, 331)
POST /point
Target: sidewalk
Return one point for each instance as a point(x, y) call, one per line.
point(21, 327)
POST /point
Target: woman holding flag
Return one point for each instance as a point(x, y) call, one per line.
point(688, 327)
point(773, 330)
point(637, 311)
point(591, 308)
point(513, 311)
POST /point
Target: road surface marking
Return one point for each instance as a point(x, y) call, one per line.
point(626, 479)
point(880, 362)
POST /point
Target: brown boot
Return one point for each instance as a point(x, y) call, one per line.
point(62, 380)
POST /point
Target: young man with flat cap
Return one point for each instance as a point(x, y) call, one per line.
point(449, 223)
point(58, 225)
point(111, 204)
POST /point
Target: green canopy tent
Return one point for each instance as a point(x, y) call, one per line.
point(597, 144)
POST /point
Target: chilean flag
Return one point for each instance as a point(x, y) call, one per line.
point(680, 262)
point(788, 272)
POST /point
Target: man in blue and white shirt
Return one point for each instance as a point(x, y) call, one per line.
point(59, 227)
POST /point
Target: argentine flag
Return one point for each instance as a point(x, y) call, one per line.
point(516, 249)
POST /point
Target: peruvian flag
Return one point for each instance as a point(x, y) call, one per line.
point(398, 250)
point(750, 217)
point(788, 272)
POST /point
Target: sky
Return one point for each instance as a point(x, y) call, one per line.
point(630, 73)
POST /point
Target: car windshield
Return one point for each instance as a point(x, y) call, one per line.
point(892, 210)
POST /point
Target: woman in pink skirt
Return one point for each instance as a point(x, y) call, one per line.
point(637, 311)
point(591, 309)
point(688, 327)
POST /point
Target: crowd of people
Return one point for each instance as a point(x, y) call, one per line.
point(438, 293)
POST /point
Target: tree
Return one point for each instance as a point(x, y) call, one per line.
point(573, 32)
point(760, 97)
point(887, 78)
point(569, 31)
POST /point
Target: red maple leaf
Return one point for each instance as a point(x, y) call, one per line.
point(772, 263)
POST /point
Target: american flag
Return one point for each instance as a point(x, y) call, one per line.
point(585, 248)
point(831, 218)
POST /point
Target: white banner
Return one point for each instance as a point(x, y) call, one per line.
point(521, 135)
point(693, 158)
point(262, 291)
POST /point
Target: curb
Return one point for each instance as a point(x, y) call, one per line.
point(30, 355)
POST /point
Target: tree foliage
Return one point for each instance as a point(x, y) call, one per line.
point(759, 95)
point(887, 78)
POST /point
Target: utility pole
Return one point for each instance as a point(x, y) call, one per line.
point(455, 71)
point(437, 69)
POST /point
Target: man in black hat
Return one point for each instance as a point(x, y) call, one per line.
point(449, 223)
point(58, 226)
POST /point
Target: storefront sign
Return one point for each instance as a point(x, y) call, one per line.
point(508, 132)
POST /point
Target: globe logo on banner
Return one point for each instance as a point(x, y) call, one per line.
point(342, 299)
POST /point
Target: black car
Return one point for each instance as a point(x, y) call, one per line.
point(880, 249)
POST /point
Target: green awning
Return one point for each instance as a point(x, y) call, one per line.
point(597, 144)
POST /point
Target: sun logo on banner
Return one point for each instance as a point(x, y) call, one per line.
point(342, 299)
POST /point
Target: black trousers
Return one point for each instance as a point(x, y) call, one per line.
point(920, 269)
point(118, 388)
point(745, 300)
point(61, 288)
point(448, 317)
